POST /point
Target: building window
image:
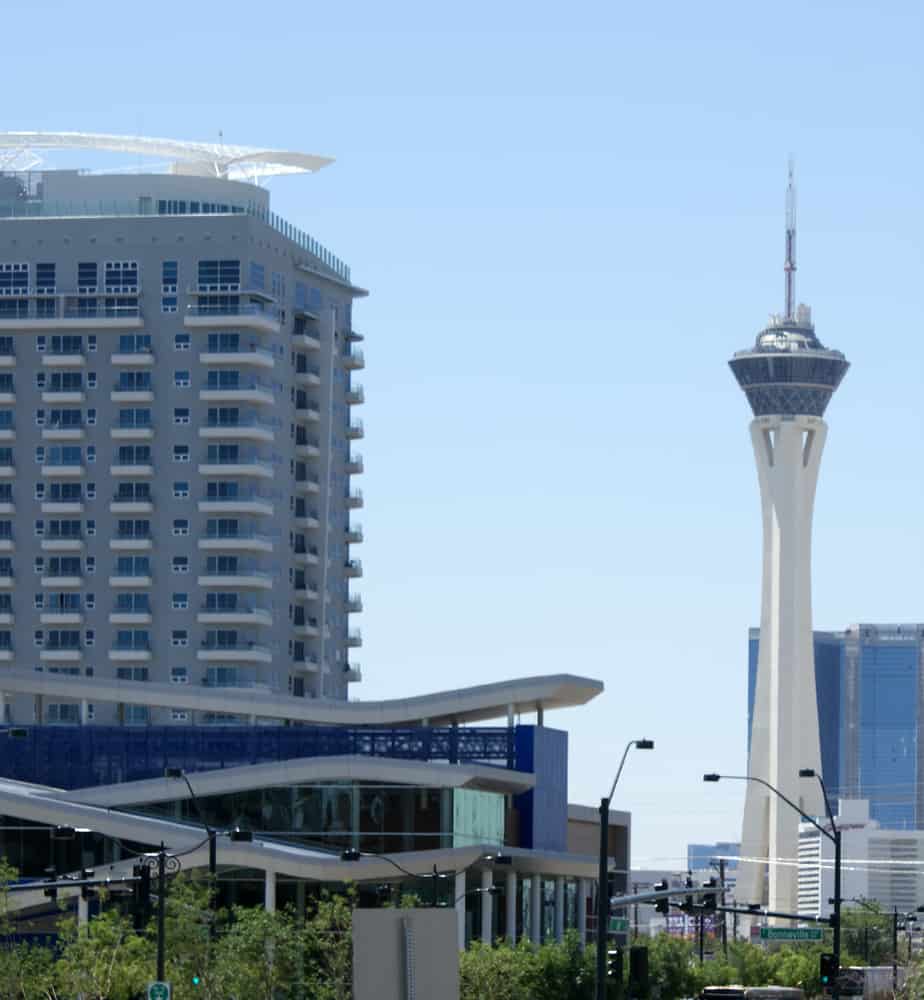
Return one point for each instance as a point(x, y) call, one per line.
point(181, 490)
point(91, 491)
point(91, 342)
point(219, 275)
point(181, 415)
point(181, 379)
point(89, 637)
point(180, 526)
point(40, 342)
point(257, 275)
point(180, 601)
point(87, 277)
point(39, 565)
point(45, 279)
point(179, 715)
point(91, 528)
point(91, 564)
point(90, 602)
point(39, 380)
point(39, 529)
point(121, 277)
point(181, 453)
point(179, 638)
point(179, 675)
point(91, 380)
point(181, 342)
point(181, 564)
point(91, 452)
point(91, 417)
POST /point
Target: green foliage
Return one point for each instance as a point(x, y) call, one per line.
point(551, 972)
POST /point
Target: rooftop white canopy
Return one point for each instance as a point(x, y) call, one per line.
point(212, 159)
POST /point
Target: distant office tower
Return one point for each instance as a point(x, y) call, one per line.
point(175, 431)
point(701, 856)
point(869, 680)
point(788, 378)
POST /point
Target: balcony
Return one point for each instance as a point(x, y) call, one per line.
point(61, 654)
point(130, 581)
point(353, 673)
point(242, 614)
point(251, 429)
point(7, 471)
point(63, 432)
point(354, 360)
point(308, 375)
point(307, 518)
point(354, 534)
point(307, 413)
point(74, 311)
point(141, 358)
point(310, 664)
point(121, 504)
point(242, 391)
point(126, 392)
point(64, 470)
point(241, 541)
point(353, 568)
point(6, 579)
point(131, 618)
point(356, 396)
point(254, 357)
point(244, 502)
point(242, 578)
point(307, 627)
point(62, 506)
point(7, 358)
point(354, 639)
point(243, 316)
point(62, 543)
point(70, 359)
point(51, 616)
point(61, 582)
point(354, 499)
point(8, 433)
point(131, 543)
point(245, 465)
point(7, 544)
point(306, 555)
point(310, 484)
point(134, 433)
point(140, 470)
point(137, 653)
point(355, 431)
point(354, 465)
point(242, 651)
point(63, 396)
point(354, 604)
point(307, 340)
point(305, 445)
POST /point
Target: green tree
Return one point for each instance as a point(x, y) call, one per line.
point(326, 942)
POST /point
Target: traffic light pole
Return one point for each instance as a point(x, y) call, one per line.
point(161, 909)
point(603, 882)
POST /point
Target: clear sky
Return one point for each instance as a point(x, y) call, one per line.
point(569, 216)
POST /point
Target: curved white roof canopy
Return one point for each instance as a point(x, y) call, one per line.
point(465, 705)
point(210, 159)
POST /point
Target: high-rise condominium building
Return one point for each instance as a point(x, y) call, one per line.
point(177, 410)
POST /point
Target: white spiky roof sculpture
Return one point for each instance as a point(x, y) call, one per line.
point(205, 159)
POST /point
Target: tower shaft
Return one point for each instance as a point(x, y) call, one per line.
point(784, 733)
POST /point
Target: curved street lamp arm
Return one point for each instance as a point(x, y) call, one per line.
point(622, 764)
point(789, 802)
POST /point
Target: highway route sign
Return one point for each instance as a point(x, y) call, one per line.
point(158, 991)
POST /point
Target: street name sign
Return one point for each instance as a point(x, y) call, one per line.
point(618, 924)
point(791, 934)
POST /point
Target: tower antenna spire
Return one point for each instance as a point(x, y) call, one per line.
point(790, 266)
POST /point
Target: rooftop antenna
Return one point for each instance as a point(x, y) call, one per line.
point(790, 266)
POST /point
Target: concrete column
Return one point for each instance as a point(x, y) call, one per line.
point(540, 715)
point(84, 712)
point(511, 718)
point(559, 908)
point(487, 909)
point(460, 909)
point(582, 910)
point(510, 906)
point(535, 909)
point(269, 892)
point(3, 706)
point(83, 911)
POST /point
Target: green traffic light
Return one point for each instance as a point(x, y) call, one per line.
point(196, 980)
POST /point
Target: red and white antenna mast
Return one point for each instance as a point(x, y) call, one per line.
point(790, 266)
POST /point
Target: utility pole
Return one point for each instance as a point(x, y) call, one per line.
point(895, 950)
point(161, 909)
point(635, 918)
point(702, 935)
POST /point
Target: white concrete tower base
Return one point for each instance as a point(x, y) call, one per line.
point(784, 729)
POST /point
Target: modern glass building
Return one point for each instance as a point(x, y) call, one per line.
point(870, 691)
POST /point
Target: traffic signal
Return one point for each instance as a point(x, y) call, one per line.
point(614, 964)
point(51, 875)
point(828, 969)
point(141, 896)
point(709, 899)
point(662, 905)
point(196, 979)
point(688, 900)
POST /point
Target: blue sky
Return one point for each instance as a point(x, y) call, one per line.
point(569, 217)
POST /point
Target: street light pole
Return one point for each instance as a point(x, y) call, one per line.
point(835, 836)
point(603, 885)
point(178, 772)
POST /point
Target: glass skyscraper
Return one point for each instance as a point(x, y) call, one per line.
point(870, 690)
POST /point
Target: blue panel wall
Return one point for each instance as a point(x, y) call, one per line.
point(544, 810)
point(888, 732)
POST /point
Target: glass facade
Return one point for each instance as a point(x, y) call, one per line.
point(869, 683)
